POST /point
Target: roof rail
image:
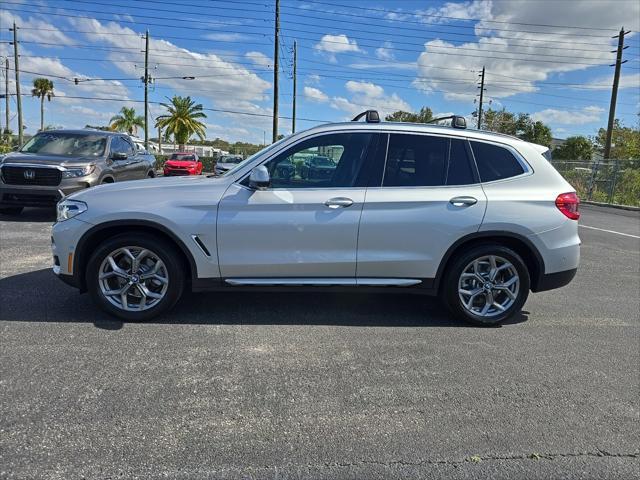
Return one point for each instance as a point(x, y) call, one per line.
point(371, 116)
point(457, 121)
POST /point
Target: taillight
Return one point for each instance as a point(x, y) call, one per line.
point(568, 203)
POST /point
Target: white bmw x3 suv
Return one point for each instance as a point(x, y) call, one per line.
point(478, 218)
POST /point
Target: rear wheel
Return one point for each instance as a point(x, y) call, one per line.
point(486, 285)
point(135, 276)
point(11, 210)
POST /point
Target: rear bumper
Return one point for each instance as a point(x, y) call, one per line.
point(550, 281)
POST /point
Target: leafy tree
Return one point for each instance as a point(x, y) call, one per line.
point(182, 120)
point(42, 88)
point(520, 125)
point(126, 121)
point(625, 141)
point(423, 116)
point(574, 148)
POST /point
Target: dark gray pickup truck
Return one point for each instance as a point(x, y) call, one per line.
point(56, 163)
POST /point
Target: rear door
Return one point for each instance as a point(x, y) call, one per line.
point(428, 198)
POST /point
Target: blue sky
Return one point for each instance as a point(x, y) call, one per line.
point(352, 55)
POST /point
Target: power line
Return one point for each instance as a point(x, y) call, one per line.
point(426, 15)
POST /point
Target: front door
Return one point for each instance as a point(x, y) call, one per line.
point(300, 226)
point(429, 198)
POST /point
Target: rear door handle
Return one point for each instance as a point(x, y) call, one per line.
point(339, 202)
point(463, 201)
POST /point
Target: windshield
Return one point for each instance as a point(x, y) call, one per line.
point(321, 161)
point(248, 159)
point(67, 144)
point(178, 156)
point(230, 159)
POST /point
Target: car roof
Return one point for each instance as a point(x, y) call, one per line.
point(417, 128)
point(85, 131)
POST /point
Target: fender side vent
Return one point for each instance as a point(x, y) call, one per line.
point(201, 245)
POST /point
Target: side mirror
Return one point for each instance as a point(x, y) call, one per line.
point(119, 156)
point(259, 178)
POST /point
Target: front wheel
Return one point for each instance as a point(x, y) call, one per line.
point(135, 276)
point(486, 285)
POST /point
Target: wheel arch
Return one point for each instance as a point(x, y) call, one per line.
point(96, 235)
point(520, 244)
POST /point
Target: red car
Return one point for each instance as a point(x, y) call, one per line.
point(183, 163)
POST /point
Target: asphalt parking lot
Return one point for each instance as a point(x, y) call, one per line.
point(321, 385)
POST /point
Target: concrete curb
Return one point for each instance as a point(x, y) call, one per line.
point(611, 205)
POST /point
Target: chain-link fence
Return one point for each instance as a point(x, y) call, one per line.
point(607, 181)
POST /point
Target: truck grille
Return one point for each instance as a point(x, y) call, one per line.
point(49, 177)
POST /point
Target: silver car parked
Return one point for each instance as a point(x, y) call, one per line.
point(480, 219)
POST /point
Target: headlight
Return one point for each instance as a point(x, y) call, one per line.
point(70, 208)
point(78, 172)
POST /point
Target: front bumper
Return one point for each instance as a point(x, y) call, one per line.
point(175, 172)
point(64, 238)
point(41, 196)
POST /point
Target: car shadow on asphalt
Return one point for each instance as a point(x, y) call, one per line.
point(47, 215)
point(50, 300)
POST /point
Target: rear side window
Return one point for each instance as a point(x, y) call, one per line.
point(427, 161)
point(416, 160)
point(494, 162)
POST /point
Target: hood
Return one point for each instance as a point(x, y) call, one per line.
point(34, 158)
point(152, 197)
point(181, 163)
point(226, 166)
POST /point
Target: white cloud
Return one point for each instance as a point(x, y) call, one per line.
point(313, 79)
point(564, 117)
point(259, 59)
point(526, 57)
point(367, 95)
point(36, 30)
point(315, 94)
point(226, 37)
point(385, 52)
point(333, 44)
point(631, 80)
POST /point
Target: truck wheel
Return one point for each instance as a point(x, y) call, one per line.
point(486, 285)
point(135, 276)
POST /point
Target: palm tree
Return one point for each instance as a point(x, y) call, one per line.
point(126, 121)
point(42, 88)
point(182, 120)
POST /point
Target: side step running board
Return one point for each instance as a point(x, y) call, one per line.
point(369, 282)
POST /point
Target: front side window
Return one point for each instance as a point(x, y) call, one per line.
point(495, 162)
point(66, 144)
point(328, 161)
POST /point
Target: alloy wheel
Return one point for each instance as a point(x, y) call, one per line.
point(488, 286)
point(133, 278)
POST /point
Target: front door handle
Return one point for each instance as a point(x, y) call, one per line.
point(339, 202)
point(463, 201)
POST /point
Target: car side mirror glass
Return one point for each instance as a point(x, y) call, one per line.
point(119, 156)
point(259, 178)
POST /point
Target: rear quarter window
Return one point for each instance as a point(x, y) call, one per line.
point(495, 162)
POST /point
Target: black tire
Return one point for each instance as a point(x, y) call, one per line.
point(11, 210)
point(449, 291)
point(163, 249)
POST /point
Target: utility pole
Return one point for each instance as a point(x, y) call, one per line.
point(295, 67)
point(614, 91)
point(276, 43)
point(6, 95)
point(159, 140)
point(146, 91)
point(17, 70)
point(481, 87)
